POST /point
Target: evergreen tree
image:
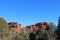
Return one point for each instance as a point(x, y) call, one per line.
point(58, 30)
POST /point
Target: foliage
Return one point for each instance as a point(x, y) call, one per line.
point(52, 27)
point(20, 36)
point(42, 34)
point(4, 30)
point(26, 34)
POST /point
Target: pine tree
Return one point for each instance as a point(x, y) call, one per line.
point(58, 30)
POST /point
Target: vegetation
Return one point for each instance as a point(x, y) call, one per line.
point(26, 34)
point(4, 30)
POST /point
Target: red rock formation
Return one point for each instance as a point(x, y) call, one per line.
point(44, 25)
point(15, 27)
point(18, 27)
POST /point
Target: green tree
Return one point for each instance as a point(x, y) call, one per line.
point(52, 27)
point(58, 30)
point(41, 34)
point(52, 31)
point(4, 29)
point(20, 36)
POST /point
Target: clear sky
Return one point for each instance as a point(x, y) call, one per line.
point(29, 12)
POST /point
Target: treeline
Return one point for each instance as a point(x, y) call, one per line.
point(40, 34)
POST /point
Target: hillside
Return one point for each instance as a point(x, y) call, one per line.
point(38, 31)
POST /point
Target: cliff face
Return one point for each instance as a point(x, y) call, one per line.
point(15, 27)
point(44, 25)
point(18, 27)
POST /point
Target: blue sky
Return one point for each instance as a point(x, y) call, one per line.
point(29, 12)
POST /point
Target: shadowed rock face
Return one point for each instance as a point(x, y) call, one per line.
point(15, 27)
point(44, 25)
